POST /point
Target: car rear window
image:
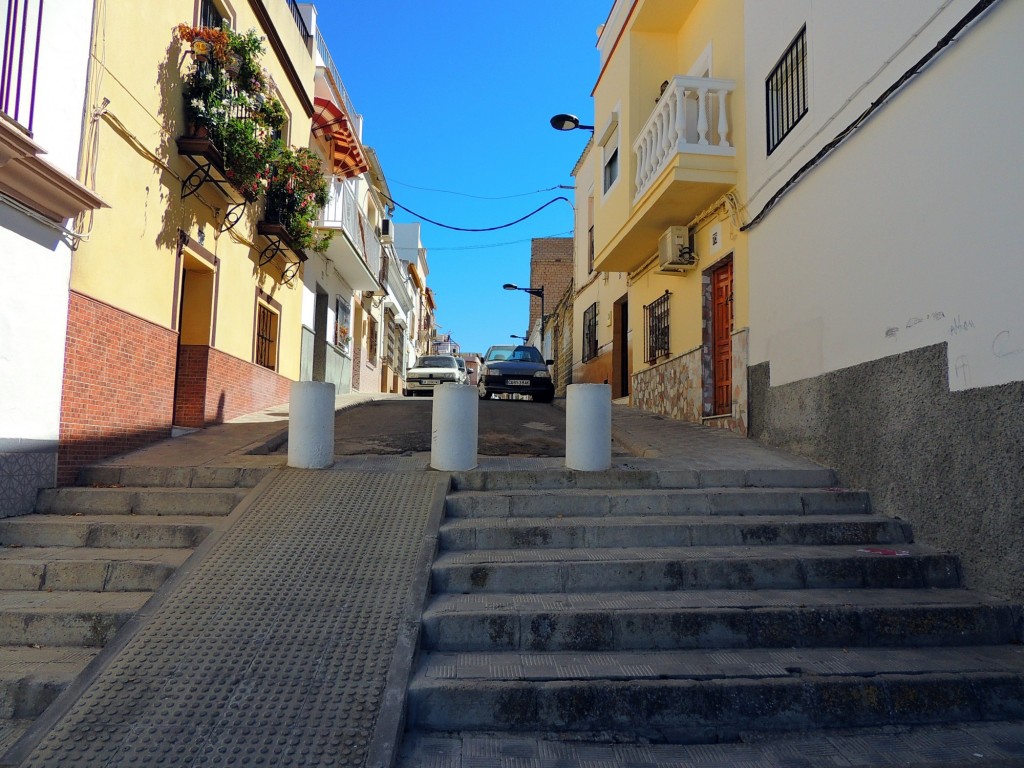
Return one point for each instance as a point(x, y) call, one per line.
point(436, 362)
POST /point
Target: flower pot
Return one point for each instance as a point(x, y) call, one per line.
point(202, 50)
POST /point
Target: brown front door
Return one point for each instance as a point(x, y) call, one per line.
point(721, 333)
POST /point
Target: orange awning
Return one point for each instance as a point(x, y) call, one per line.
point(347, 158)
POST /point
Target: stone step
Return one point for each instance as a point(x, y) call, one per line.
point(88, 569)
point(650, 531)
point(31, 678)
point(633, 503)
point(635, 621)
point(998, 744)
point(61, 619)
point(139, 501)
point(678, 568)
point(624, 478)
point(114, 531)
point(687, 696)
point(105, 476)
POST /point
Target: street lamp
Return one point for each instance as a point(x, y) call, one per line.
point(563, 122)
point(517, 336)
point(533, 292)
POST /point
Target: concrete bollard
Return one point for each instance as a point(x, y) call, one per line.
point(588, 427)
point(453, 433)
point(311, 425)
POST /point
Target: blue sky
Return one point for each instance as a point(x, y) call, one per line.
point(456, 96)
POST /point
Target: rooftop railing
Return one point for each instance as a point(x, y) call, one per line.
point(299, 21)
point(325, 54)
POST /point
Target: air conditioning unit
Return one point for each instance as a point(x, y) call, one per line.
point(675, 250)
point(387, 231)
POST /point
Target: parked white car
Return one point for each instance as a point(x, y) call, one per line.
point(429, 371)
point(462, 370)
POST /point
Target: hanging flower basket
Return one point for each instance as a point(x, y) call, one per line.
point(202, 50)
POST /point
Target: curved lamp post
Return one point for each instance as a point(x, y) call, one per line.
point(564, 122)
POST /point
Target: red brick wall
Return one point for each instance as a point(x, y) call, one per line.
point(235, 387)
point(550, 266)
point(118, 385)
point(190, 397)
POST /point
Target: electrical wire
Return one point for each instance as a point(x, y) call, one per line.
point(434, 249)
point(949, 38)
point(477, 229)
point(475, 197)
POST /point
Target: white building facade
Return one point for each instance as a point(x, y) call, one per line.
point(42, 90)
point(887, 329)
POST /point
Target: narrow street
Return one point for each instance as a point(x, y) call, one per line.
point(516, 428)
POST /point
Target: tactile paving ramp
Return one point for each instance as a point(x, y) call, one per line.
point(275, 649)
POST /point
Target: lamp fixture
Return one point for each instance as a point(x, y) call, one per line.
point(564, 122)
point(538, 292)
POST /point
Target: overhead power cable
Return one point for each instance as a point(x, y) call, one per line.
point(435, 249)
point(475, 197)
point(477, 229)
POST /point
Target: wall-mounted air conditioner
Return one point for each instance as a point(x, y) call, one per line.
point(387, 231)
point(676, 251)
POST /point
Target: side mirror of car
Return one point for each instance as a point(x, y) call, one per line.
point(549, 362)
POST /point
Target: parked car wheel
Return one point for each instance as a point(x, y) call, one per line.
point(543, 398)
point(405, 392)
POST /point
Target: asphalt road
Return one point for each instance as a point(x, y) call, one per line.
point(395, 427)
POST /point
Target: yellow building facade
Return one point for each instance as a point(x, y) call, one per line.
point(184, 308)
point(667, 165)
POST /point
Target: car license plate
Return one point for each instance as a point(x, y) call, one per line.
point(518, 382)
point(428, 381)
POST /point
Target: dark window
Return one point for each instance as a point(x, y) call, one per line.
point(590, 333)
point(590, 252)
point(611, 169)
point(266, 337)
point(210, 15)
point(371, 340)
point(656, 328)
point(786, 91)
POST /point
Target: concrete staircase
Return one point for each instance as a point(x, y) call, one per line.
point(86, 561)
point(684, 607)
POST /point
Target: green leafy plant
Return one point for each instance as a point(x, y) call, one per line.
point(296, 192)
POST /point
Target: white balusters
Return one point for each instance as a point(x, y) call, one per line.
point(668, 132)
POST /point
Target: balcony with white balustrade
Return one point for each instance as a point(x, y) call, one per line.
point(683, 160)
point(355, 248)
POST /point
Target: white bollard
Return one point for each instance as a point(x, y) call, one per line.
point(311, 425)
point(588, 427)
point(453, 433)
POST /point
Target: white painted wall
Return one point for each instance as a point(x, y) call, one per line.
point(33, 316)
point(906, 236)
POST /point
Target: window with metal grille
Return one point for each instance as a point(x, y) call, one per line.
point(656, 328)
point(209, 14)
point(389, 337)
point(371, 340)
point(266, 336)
point(590, 333)
point(786, 91)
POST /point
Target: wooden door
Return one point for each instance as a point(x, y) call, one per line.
point(721, 334)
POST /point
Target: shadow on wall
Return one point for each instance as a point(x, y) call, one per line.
point(949, 462)
point(76, 454)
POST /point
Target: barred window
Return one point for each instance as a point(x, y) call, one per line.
point(210, 15)
point(267, 323)
point(590, 333)
point(656, 328)
point(786, 91)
